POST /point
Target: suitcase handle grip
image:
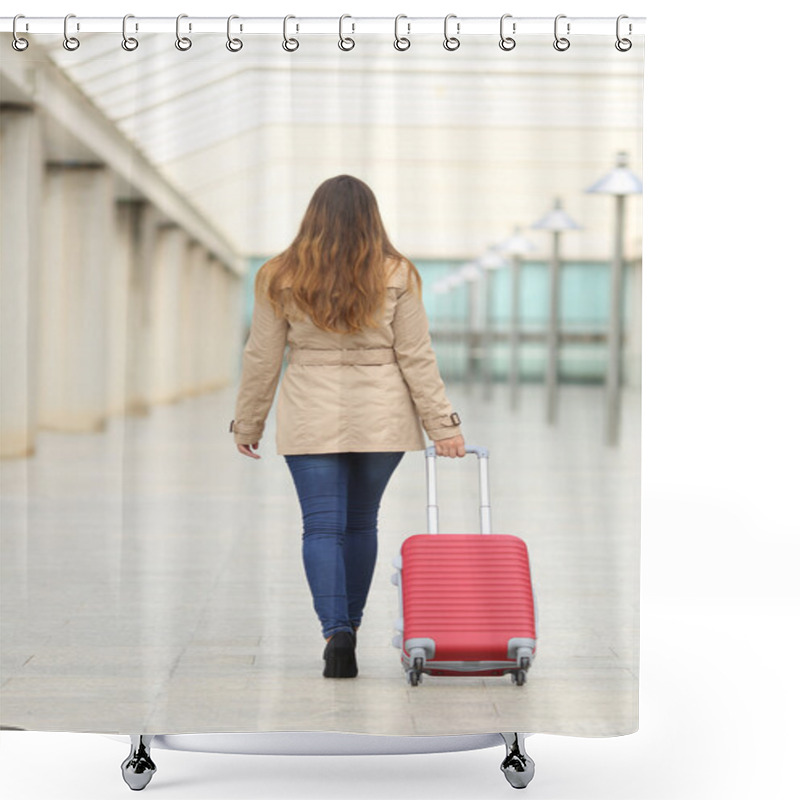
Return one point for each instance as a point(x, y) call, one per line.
point(481, 452)
point(483, 484)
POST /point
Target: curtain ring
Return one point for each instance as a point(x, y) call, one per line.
point(129, 43)
point(450, 42)
point(234, 45)
point(506, 42)
point(619, 43)
point(560, 39)
point(70, 42)
point(289, 45)
point(401, 43)
point(181, 42)
point(18, 43)
point(350, 42)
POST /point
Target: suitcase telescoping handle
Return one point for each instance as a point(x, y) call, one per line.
point(483, 480)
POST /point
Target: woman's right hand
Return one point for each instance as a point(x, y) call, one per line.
point(452, 447)
point(245, 450)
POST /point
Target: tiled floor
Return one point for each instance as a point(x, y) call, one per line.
point(152, 579)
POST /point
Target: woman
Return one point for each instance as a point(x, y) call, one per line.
point(361, 375)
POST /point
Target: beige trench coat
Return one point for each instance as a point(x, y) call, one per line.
point(345, 392)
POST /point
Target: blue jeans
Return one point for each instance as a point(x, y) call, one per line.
point(340, 494)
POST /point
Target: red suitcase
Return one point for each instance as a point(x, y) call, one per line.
point(467, 605)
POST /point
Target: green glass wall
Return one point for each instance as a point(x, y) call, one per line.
point(583, 313)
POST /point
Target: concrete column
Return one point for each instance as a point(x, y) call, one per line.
point(204, 323)
point(193, 320)
point(221, 337)
point(137, 221)
point(207, 323)
point(21, 189)
point(121, 267)
point(118, 297)
point(76, 258)
point(236, 332)
point(216, 307)
point(165, 304)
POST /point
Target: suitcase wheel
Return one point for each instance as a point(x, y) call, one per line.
point(414, 677)
point(414, 674)
point(518, 677)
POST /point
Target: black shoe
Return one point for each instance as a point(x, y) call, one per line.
point(340, 656)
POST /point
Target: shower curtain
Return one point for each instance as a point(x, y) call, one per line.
point(152, 575)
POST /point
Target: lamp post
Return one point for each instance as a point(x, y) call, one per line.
point(454, 281)
point(471, 273)
point(555, 221)
point(515, 246)
point(441, 288)
point(489, 262)
point(619, 182)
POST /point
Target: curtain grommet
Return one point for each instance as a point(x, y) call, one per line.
point(401, 43)
point(19, 43)
point(183, 43)
point(70, 43)
point(506, 42)
point(233, 44)
point(345, 42)
point(129, 43)
point(623, 45)
point(451, 42)
point(560, 40)
point(289, 44)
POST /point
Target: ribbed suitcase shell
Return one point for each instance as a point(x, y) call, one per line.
point(468, 592)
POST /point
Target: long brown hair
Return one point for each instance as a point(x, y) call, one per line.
point(335, 269)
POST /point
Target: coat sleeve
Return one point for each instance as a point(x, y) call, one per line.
point(261, 368)
point(417, 362)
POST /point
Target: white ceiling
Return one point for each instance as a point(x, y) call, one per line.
point(457, 145)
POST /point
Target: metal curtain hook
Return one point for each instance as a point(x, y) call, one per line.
point(345, 43)
point(18, 43)
point(181, 42)
point(128, 42)
point(506, 42)
point(70, 42)
point(289, 45)
point(401, 43)
point(560, 39)
point(450, 42)
point(623, 48)
point(233, 44)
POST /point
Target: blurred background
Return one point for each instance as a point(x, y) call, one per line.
point(141, 194)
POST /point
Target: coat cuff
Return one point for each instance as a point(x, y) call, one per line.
point(444, 433)
point(244, 432)
point(442, 427)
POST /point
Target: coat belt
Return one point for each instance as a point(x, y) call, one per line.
point(373, 356)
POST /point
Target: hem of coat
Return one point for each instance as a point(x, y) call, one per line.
point(286, 451)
